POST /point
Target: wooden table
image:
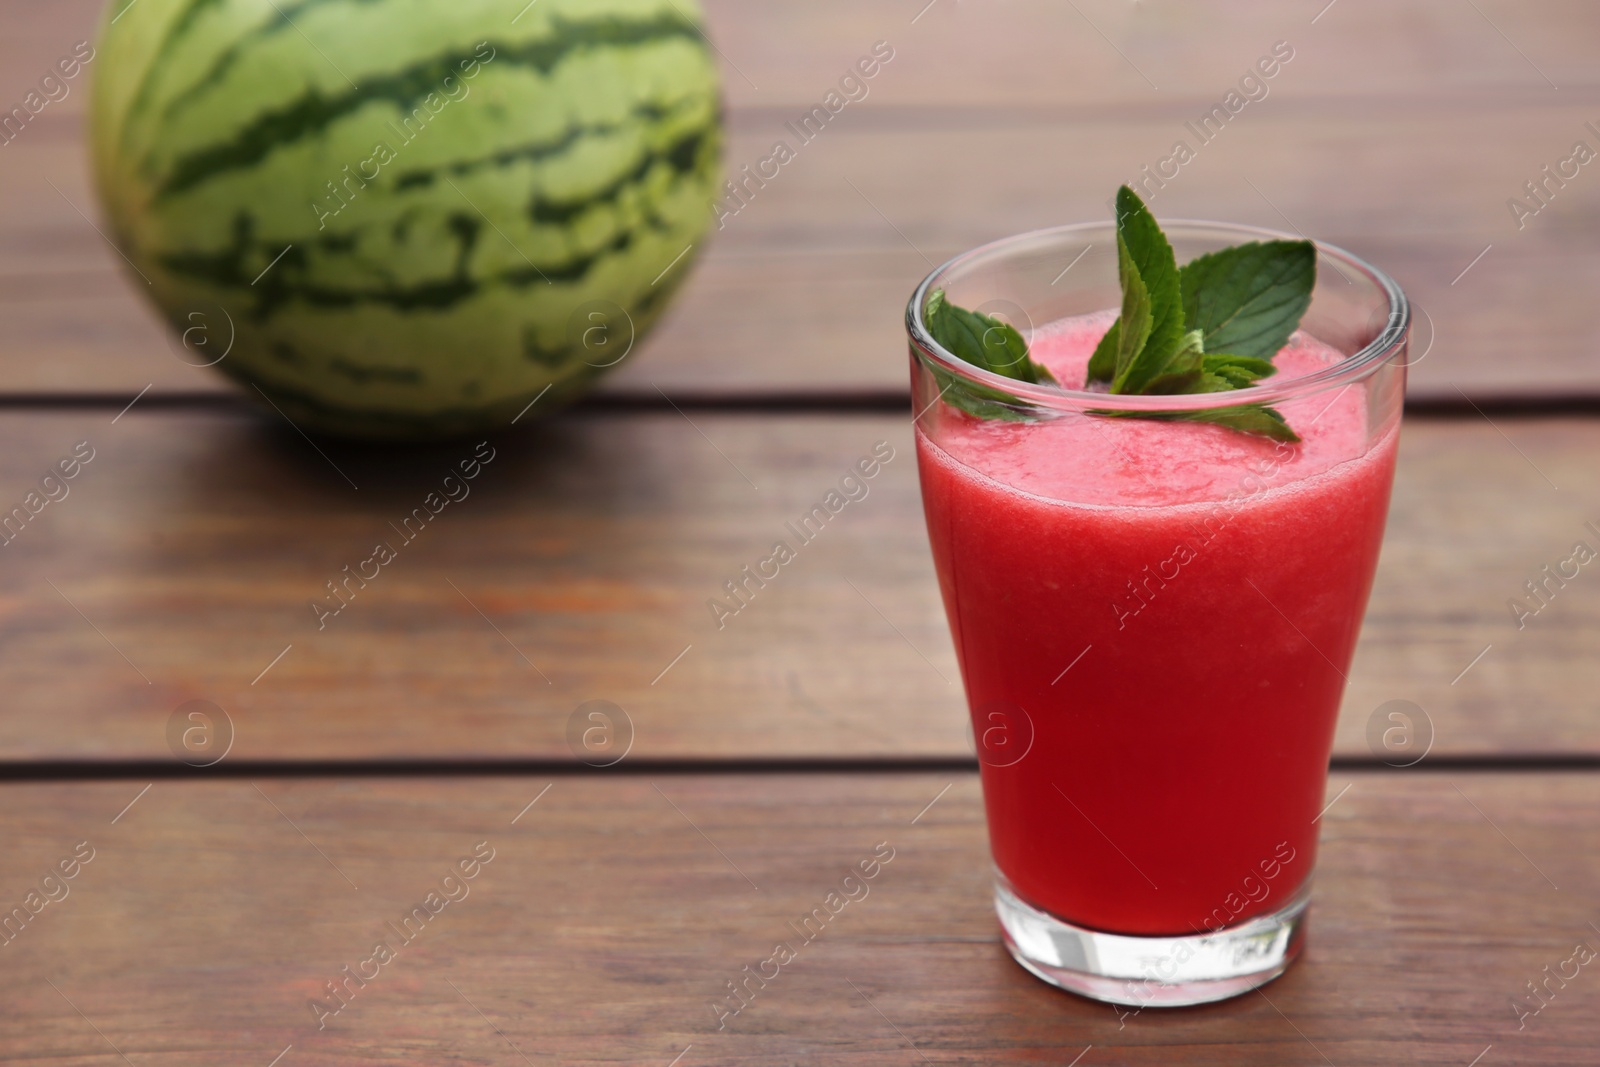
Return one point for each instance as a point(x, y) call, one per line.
point(435, 715)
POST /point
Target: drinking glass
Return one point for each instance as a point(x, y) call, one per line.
point(1154, 616)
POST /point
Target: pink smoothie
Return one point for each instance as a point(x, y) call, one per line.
point(1161, 616)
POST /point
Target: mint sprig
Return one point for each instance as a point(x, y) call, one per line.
point(987, 342)
point(1211, 327)
point(1235, 308)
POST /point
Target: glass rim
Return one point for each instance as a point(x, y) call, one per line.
point(1351, 368)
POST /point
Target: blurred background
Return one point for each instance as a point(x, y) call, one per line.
point(1396, 130)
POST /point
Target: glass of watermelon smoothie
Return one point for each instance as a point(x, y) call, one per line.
point(1154, 617)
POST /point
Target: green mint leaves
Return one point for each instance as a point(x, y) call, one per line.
point(984, 341)
point(1211, 327)
point(1151, 322)
point(1248, 299)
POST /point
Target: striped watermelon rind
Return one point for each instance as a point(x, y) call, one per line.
point(568, 166)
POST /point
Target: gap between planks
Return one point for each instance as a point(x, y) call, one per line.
point(798, 401)
point(381, 767)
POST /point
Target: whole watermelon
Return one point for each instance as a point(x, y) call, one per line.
point(407, 218)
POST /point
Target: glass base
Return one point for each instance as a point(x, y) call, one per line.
point(1152, 972)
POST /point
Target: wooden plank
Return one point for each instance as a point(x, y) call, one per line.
point(195, 544)
point(1019, 53)
point(805, 287)
point(1026, 52)
point(614, 912)
point(1317, 153)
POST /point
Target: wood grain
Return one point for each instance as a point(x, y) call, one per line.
point(1022, 53)
point(614, 911)
point(1404, 153)
point(183, 563)
point(581, 565)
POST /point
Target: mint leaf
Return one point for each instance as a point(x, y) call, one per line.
point(1103, 364)
point(982, 340)
point(1248, 299)
point(986, 342)
point(1240, 370)
point(979, 401)
point(1133, 336)
point(1184, 368)
point(1246, 418)
point(1249, 418)
point(1145, 256)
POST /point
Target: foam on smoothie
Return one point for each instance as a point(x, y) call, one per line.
point(1095, 460)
